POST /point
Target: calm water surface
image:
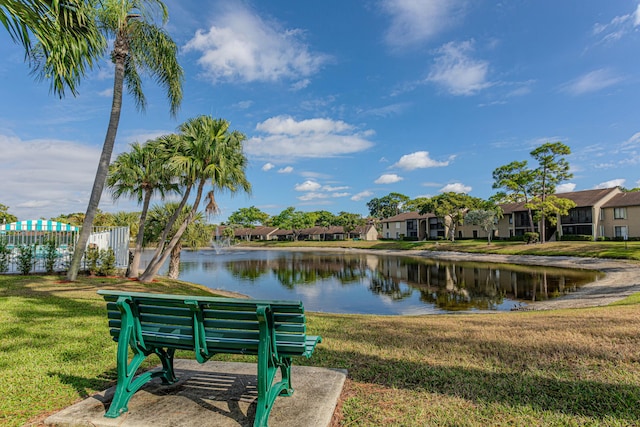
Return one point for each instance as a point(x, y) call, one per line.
point(378, 284)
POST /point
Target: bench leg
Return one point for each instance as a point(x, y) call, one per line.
point(268, 391)
point(167, 374)
point(127, 384)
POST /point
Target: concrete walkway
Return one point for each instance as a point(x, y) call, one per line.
point(214, 394)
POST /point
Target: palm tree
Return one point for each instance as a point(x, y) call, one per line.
point(208, 153)
point(61, 38)
point(140, 173)
point(197, 234)
point(139, 45)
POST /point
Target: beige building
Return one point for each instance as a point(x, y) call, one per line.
point(606, 213)
point(620, 216)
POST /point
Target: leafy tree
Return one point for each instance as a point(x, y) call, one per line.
point(296, 221)
point(61, 39)
point(452, 207)
point(208, 152)
point(549, 210)
point(519, 182)
point(140, 174)
point(5, 216)
point(248, 218)
point(390, 205)
point(127, 219)
point(414, 205)
point(485, 218)
point(324, 219)
point(552, 169)
point(139, 46)
point(349, 221)
point(75, 218)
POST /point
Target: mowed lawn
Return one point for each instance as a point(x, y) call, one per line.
point(571, 367)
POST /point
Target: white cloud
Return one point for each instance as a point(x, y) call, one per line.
point(418, 160)
point(287, 125)
point(591, 82)
point(457, 72)
point(107, 93)
point(301, 84)
point(312, 138)
point(634, 140)
point(330, 188)
point(416, 21)
point(286, 169)
point(565, 188)
point(361, 195)
point(46, 178)
point(431, 184)
point(268, 166)
point(388, 178)
point(313, 196)
point(618, 27)
point(243, 105)
point(242, 46)
point(611, 183)
point(308, 186)
point(455, 187)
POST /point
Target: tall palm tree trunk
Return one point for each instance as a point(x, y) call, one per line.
point(135, 262)
point(165, 233)
point(152, 269)
point(174, 261)
point(103, 165)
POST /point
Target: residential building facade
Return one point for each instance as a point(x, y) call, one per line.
point(606, 213)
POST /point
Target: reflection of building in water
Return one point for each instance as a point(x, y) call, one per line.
point(448, 285)
point(484, 281)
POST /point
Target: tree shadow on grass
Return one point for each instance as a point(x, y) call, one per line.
point(597, 400)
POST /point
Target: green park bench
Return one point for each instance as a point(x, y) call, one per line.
point(146, 324)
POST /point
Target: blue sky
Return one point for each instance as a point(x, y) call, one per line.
point(342, 102)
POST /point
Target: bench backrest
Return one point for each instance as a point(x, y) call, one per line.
point(229, 325)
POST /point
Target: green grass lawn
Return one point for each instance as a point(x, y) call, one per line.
point(609, 249)
point(570, 367)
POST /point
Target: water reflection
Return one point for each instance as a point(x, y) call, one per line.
point(380, 284)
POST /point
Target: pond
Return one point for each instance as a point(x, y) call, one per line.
point(377, 284)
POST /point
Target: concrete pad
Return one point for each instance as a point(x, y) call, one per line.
point(213, 394)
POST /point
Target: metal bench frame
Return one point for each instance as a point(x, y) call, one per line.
point(277, 340)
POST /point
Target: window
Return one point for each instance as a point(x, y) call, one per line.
point(619, 213)
point(620, 231)
point(397, 225)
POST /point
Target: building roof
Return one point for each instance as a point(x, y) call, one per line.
point(583, 198)
point(631, 198)
point(588, 197)
point(406, 216)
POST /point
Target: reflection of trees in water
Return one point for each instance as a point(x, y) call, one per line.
point(462, 286)
point(388, 286)
point(448, 285)
point(302, 269)
point(249, 270)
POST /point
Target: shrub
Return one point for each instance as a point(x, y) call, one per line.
point(92, 258)
point(50, 255)
point(26, 258)
point(531, 237)
point(4, 255)
point(107, 263)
